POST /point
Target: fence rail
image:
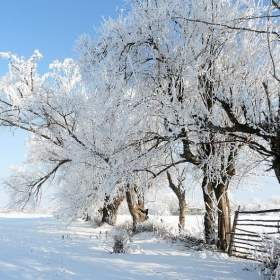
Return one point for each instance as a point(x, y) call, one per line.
point(246, 232)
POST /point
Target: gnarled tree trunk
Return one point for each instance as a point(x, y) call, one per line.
point(110, 210)
point(210, 211)
point(224, 220)
point(221, 193)
point(136, 205)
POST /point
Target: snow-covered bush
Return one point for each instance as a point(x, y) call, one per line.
point(273, 202)
point(189, 239)
point(269, 254)
point(121, 242)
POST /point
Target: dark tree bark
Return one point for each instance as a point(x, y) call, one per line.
point(275, 147)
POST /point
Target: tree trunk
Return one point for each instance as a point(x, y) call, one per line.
point(276, 164)
point(210, 214)
point(110, 210)
point(182, 212)
point(136, 206)
point(221, 193)
point(224, 220)
point(181, 195)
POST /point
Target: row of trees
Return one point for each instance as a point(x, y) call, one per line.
point(171, 92)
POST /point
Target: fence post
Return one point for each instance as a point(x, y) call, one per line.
point(233, 231)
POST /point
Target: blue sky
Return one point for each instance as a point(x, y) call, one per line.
point(52, 26)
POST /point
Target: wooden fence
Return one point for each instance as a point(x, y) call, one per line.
point(248, 229)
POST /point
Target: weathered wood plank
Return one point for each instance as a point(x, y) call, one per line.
point(260, 212)
point(233, 230)
point(259, 225)
point(257, 220)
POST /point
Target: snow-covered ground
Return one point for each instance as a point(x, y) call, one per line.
point(39, 247)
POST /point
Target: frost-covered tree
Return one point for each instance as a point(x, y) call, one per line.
point(252, 101)
point(160, 87)
point(70, 126)
point(78, 134)
point(176, 56)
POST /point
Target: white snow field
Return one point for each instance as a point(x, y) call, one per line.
point(34, 246)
